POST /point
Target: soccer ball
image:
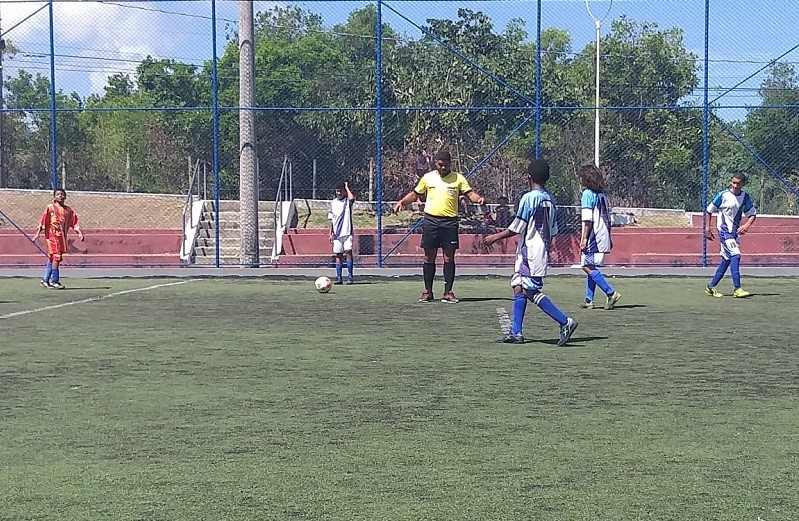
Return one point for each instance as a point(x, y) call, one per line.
point(323, 284)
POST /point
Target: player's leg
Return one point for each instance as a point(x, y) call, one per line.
point(55, 276)
point(48, 272)
point(533, 287)
point(350, 263)
point(450, 243)
point(591, 263)
point(449, 276)
point(514, 335)
point(735, 271)
point(721, 269)
point(590, 287)
point(430, 243)
point(338, 253)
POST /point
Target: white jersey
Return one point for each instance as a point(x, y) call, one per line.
point(596, 210)
point(340, 215)
point(535, 223)
point(730, 208)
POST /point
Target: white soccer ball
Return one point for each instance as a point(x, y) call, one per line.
point(323, 284)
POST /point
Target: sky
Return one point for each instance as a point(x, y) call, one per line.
point(94, 40)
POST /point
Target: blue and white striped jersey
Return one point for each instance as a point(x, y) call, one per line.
point(596, 210)
point(730, 208)
point(535, 223)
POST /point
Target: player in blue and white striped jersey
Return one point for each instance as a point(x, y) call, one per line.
point(595, 239)
point(730, 205)
point(341, 229)
point(535, 224)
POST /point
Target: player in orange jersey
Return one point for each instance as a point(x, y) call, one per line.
point(56, 221)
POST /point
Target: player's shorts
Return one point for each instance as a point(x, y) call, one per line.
point(527, 283)
point(729, 248)
point(342, 244)
point(440, 232)
point(55, 257)
point(592, 259)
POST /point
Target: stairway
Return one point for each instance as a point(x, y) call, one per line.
point(229, 233)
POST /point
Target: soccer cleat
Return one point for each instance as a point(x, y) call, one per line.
point(449, 298)
point(612, 300)
point(711, 292)
point(338, 282)
point(587, 304)
point(740, 293)
point(45, 284)
point(511, 338)
point(57, 285)
point(349, 280)
point(427, 296)
point(566, 331)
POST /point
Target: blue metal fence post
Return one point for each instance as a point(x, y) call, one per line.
point(538, 82)
point(379, 128)
point(53, 134)
point(705, 136)
point(215, 103)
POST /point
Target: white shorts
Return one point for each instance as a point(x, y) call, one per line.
point(527, 283)
point(592, 259)
point(730, 248)
point(342, 244)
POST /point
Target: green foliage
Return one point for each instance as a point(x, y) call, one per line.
point(651, 140)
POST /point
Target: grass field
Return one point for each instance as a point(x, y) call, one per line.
point(263, 400)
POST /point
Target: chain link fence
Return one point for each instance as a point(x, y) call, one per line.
point(145, 97)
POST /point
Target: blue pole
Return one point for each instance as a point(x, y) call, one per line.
point(705, 135)
point(53, 135)
point(538, 82)
point(215, 104)
point(379, 128)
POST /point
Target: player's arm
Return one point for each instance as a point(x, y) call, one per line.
point(409, 198)
point(495, 237)
point(586, 232)
point(350, 195)
point(76, 226)
point(712, 208)
point(42, 224)
point(748, 224)
point(475, 198)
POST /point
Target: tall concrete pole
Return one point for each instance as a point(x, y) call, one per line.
point(248, 175)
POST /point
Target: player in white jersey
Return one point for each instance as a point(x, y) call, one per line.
point(535, 224)
point(730, 206)
point(595, 239)
point(341, 229)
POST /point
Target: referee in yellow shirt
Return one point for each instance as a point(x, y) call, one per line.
point(443, 188)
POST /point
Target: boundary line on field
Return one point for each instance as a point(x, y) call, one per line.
point(91, 299)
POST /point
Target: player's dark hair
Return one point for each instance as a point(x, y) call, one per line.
point(443, 155)
point(339, 185)
point(538, 170)
point(591, 178)
point(59, 190)
point(740, 176)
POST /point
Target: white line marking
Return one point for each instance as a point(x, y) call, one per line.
point(504, 320)
point(90, 299)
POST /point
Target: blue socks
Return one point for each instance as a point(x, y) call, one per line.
point(600, 281)
point(549, 307)
point(55, 276)
point(721, 270)
point(519, 307)
point(349, 268)
point(590, 287)
point(338, 270)
point(735, 262)
point(48, 270)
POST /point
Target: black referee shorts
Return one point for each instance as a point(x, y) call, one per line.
point(440, 232)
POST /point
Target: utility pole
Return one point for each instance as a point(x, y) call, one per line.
point(2, 108)
point(248, 175)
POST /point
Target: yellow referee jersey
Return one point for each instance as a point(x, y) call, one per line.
point(442, 192)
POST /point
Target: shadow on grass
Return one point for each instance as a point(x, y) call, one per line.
point(623, 306)
point(484, 299)
point(574, 340)
point(82, 288)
